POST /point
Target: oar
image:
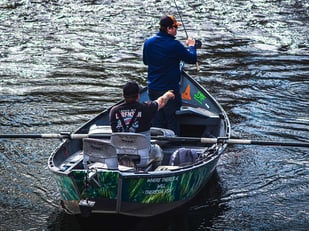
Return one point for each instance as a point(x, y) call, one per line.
point(225, 140)
point(220, 140)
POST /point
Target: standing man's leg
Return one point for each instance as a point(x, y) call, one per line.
point(159, 118)
point(166, 117)
point(170, 113)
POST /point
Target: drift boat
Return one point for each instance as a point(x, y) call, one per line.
point(105, 172)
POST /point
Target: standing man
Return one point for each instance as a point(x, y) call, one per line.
point(163, 53)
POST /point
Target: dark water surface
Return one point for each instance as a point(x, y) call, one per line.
point(63, 61)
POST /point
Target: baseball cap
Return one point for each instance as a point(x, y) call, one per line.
point(169, 21)
point(131, 89)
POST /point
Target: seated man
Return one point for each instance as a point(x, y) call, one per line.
point(132, 116)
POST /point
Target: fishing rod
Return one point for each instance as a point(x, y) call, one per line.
point(181, 19)
point(198, 43)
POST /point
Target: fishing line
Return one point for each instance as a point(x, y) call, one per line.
point(198, 43)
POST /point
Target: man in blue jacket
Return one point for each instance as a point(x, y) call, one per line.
point(163, 53)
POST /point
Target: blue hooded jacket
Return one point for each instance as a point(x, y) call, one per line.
point(163, 53)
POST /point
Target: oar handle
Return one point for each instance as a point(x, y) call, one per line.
point(268, 143)
point(197, 66)
point(63, 135)
point(254, 142)
point(32, 136)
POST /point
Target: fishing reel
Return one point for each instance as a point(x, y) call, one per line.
point(198, 44)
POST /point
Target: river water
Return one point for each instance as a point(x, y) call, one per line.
point(64, 61)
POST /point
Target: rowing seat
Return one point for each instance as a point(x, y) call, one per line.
point(133, 147)
point(99, 151)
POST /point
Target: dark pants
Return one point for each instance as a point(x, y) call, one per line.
point(166, 116)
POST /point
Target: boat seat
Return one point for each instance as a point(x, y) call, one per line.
point(133, 146)
point(193, 112)
point(96, 150)
point(199, 122)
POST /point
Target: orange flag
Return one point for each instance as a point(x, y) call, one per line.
point(186, 94)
